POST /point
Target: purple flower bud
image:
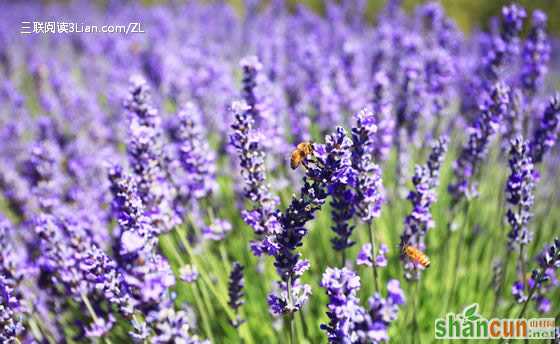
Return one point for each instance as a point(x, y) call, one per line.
point(235, 286)
point(217, 230)
point(188, 273)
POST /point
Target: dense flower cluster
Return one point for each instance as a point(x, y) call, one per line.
point(349, 321)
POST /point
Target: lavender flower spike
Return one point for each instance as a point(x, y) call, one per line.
point(195, 155)
point(328, 166)
point(144, 149)
point(475, 150)
point(344, 308)
point(546, 134)
point(11, 311)
point(235, 290)
point(419, 221)
point(263, 217)
point(519, 188)
point(536, 54)
point(369, 188)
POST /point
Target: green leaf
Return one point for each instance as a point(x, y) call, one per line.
point(470, 311)
point(473, 318)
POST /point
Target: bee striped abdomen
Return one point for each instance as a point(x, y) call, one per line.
point(417, 256)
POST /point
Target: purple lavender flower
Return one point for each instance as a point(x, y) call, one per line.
point(329, 166)
point(100, 327)
point(257, 95)
point(11, 310)
point(170, 325)
point(519, 188)
point(512, 24)
point(147, 274)
point(263, 217)
point(146, 156)
point(543, 280)
point(368, 185)
point(134, 230)
point(365, 256)
point(188, 273)
point(536, 54)
point(518, 292)
point(344, 308)
point(235, 291)
point(419, 221)
point(10, 314)
point(382, 110)
point(102, 271)
point(194, 154)
point(349, 321)
point(139, 105)
point(410, 102)
point(217, 230)
point(545, 135)
point(235, 286)
point(342, 204)
point(480, 134)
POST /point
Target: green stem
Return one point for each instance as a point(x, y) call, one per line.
point(373, 266)
point(207, 280)
point(92, 313)
point(202, 311)
point(414, 312)
point(138, 322)
point(522, 264)
point(290, 306)
point(458, 253)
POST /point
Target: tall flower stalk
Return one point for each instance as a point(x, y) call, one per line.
point(328, 166)
point(519, 189)
point(369, 192)
point(419, 221)
point(475, 150)
point(262, 216)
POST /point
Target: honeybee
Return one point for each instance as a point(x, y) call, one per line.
point(416, 255)
point(300, 153)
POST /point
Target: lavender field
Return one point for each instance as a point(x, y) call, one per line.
point(202, 173)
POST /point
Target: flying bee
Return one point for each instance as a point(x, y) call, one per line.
point(417, 256)
point(300, 153)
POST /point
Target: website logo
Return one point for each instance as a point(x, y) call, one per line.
point(471, 325)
